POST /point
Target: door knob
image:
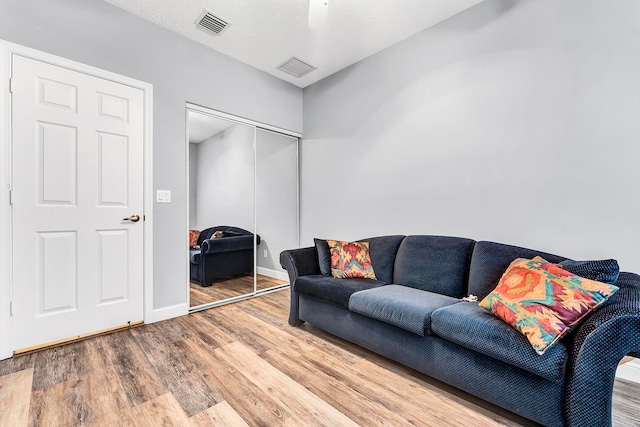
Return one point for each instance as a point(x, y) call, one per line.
point(132, 218)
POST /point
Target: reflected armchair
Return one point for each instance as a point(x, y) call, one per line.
point(229, 254)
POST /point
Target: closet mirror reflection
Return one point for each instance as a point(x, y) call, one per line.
point(276, 203)
point(221, 209)
point(243, 208)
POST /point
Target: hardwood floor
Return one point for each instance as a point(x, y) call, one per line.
point(238, 365)
point(228, 288)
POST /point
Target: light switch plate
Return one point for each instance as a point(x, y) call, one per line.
point(163, 196)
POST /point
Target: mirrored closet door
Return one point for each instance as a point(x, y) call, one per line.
point(243, 207)
point(276, 203)
point(221, 209)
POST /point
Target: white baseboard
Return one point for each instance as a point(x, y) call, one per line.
point(169, 312)
point(5, 353)
point(281, 275)
point(629, 371)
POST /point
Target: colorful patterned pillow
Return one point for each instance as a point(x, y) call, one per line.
point(350, 260)
point(544, 301)
point(193, 238)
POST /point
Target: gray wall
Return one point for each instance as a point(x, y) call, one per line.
point(276, 196)
point(226, 179)
point(515, 121)
point(96, 33)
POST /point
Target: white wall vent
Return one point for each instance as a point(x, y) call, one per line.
point(296, 67)
point(212, 23)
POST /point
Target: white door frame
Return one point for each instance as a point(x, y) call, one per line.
point(7, 50)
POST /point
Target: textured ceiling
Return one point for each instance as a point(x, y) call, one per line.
point(266, 33)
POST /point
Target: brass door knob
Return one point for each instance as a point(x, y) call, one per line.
point(132, 218)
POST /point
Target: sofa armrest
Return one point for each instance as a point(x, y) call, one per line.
point(227, 244)
point(606, 336)
point(298, 262)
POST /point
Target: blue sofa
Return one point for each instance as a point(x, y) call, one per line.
point(413, 314)
point(231, 254)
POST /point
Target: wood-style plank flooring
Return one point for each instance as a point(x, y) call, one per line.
point(228, 288)
point(238, 365)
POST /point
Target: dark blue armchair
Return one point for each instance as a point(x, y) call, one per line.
point(229, 254)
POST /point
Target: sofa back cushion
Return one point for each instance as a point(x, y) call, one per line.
point(383, 252)
point(207, 233)
point(434, 263)
point(225, 231)
point(490, 260)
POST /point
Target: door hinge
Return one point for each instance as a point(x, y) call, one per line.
point(10, 308)
point(11, 197)
point(11, 85)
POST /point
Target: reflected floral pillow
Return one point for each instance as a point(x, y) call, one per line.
point(217, 234)
point(193, 238)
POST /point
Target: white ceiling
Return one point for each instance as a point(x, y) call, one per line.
point(266, 33)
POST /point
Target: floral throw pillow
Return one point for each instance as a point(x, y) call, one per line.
point(193, 238)
point(543, 301)
point(350, 260)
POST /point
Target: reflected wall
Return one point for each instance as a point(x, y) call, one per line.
point(276, 200)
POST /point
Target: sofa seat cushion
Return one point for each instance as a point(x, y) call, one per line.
point(471, 326)
point(332, 290)
point(194, 256)
point(401, 306)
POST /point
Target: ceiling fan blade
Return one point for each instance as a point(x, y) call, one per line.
point(318, 13)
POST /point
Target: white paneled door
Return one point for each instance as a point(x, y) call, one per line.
point(77, 150)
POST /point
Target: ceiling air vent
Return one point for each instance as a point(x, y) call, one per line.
point(211, 22)
point(296, 67)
